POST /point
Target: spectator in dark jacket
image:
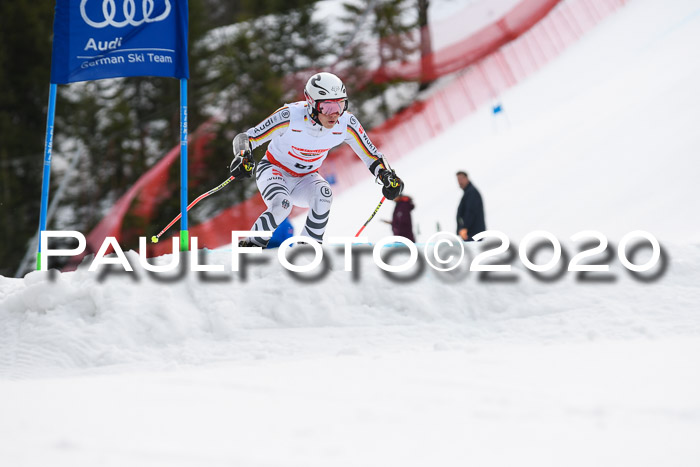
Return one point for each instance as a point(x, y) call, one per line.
point(470, 213)
point(401, 223)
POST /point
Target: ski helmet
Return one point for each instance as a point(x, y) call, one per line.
point(325, 93)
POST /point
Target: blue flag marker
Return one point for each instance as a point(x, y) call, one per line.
point(97, 39)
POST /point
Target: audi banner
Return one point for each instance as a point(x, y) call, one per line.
point(96, 39)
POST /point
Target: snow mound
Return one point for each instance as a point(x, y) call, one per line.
point(54, 321)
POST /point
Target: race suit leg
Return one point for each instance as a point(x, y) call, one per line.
point(314, 192)
point(275, 186)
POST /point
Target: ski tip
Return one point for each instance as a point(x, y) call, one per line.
point(154, 239)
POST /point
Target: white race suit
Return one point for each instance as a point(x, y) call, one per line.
point(288, 173)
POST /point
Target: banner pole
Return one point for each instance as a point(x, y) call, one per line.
point(48, 147)
point(184, 234)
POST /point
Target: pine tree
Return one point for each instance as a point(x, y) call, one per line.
point(25, 61)
point(379, 33)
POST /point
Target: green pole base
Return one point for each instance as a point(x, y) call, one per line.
point(184, 240)
point(38, 261)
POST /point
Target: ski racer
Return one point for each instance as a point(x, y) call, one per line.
point(300, 135)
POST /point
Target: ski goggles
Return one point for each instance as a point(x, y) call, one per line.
point(332, 106)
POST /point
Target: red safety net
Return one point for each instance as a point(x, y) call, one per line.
point(491, 60)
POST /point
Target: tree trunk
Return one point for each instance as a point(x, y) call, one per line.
point(426, 49)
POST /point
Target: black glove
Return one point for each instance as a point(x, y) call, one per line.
point(243, 163)
point(393, 185)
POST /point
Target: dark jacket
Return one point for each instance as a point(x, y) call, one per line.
point(470, 213)
point(401, 221)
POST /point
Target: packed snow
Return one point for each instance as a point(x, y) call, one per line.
point(264, 367)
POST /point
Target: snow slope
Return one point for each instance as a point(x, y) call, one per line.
point(268, 368)
point(365, 369)
point(604, 138)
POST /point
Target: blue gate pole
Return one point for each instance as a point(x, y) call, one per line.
point(48, 147)
point(184, 234)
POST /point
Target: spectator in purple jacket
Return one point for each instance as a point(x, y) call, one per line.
point(401, 223)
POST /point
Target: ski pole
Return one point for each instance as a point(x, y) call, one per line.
point(372, 216)
point(155, 238)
